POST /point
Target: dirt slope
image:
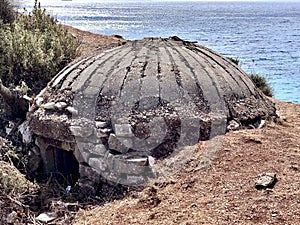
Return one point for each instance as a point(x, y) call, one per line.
point(90, 42)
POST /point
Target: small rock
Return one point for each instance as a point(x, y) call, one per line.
point(103, 133)
point(61, 105)
point(278, 113)
point(49, 105)
point(266, 180)
point(39, 101)
point(11, 218)
point(26, 97)
point(260, 123)
point(9, 128)
point(101, 124)
point(151, 160)
point(25, 131)
point(46, 217)
point(118, 144)
point(79, 131)
point(233, 125)
point(138, 161)
point(72, 110)
point(123, 130)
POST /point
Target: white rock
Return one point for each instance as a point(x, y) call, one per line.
point(278, 113)
point(101, 124)
point(9, 127)
point(49, 105)
point(266, 180)
point(26, 97)
point(233, 125)
point(10, 219)
point(39, 101)
point(46, 217)
point(261, 124)
point(60, 105)
point(151, 160)
point(138, 161)
point(72, 110)
point(25, 132)
point(106, 130)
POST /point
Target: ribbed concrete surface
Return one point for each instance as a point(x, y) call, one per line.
point(143, 99)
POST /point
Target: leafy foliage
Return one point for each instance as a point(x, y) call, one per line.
point(235, 61)
point(7, 13)
point(261, 83)
point(33, 49)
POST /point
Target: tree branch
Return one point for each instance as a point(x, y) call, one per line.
point(17, 103)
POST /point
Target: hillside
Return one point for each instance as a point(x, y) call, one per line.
point(223, 193)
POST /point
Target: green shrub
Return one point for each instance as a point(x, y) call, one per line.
point(33, 49)
point(261, 83)
point(7, 13)
point(235, 61)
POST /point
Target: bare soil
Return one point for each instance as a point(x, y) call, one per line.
point(223, 193)
point(90, 42)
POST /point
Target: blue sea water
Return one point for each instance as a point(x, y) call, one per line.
point(264, 36)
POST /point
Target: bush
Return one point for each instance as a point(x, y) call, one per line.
point(235, 61)
point(33, 49)
point(7, 13)
point(261, 83)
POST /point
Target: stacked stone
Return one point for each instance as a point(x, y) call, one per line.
point(107, 150)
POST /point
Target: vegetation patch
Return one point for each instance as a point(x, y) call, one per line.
point(262, 83)
point(259, 81)
point(33, 48)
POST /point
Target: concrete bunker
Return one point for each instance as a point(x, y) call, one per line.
point(118, 111)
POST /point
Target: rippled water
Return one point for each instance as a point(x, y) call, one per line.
point(265, 37)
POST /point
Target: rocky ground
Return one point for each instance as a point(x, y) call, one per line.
point(223, 193)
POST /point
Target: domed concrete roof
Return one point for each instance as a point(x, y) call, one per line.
point(148, 96)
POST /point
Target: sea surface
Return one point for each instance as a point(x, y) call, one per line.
point(264, 36)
